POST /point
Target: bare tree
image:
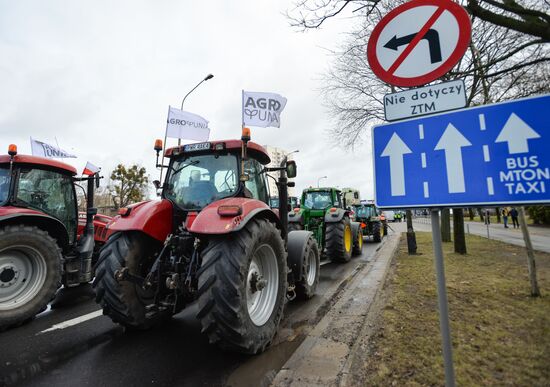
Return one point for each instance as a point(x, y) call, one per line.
point(531, 18)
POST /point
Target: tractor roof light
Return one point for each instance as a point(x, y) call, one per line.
point(230, 210)
point(333, 209)
point(124, 211)
point(12, 150)
point(296, 209)
point(158, 145)
point(246, 134)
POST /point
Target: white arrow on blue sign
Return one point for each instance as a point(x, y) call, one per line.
point(488, 155)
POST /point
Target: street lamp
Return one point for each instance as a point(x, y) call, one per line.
point(319, 180)
point(209, 76)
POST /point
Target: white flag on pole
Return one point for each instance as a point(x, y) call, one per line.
point(262, 109)
point(42, 149)
point(182, 124)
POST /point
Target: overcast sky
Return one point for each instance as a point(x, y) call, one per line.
point(98, 76)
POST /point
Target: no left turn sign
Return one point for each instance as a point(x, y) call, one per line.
point(419, 42)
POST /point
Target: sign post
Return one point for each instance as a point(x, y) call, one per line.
point(442, 301)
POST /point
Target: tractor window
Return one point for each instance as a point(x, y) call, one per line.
point(196, 181)
point(50, 192)
point(4, 184)
point(256, 184)
point(317, 200)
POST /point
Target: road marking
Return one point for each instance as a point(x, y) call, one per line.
point(482, 122)
point(486, 155)
point(490, 188)
point(421, 131)
point(72, 322)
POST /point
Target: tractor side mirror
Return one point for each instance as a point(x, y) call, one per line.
point(291, 168)
point(156, 183)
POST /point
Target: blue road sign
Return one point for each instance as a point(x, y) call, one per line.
point(488, 155)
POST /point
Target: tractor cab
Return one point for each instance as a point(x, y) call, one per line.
point(200, 174)
point(41, 187)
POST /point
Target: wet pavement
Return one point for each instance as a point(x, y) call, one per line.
point(76, 345)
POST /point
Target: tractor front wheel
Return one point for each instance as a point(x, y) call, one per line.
point(30, 273)
point(339, 240)
point(125, 302)
point(242, 287)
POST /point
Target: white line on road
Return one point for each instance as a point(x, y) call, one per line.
point(72, 322)
point(482, 122)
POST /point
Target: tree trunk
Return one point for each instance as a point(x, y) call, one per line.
point(471, 213)
point(446, 225)
point(458, 231)
point(498, 214)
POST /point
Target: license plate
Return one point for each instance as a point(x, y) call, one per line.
point(196, 147)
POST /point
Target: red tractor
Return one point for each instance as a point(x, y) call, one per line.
point(40, 246)
point(211, 239)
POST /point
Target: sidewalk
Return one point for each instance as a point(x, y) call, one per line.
point(540, 236)
point(326, 356)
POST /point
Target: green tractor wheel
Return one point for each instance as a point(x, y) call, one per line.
point(376, 232)
point(339, 240)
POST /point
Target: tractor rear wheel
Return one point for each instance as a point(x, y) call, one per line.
point(310, 265)
point(357, 240)
point(242, 287)
point(125, 302)
point(376, 232)
point(339, 239)
point(30, 273)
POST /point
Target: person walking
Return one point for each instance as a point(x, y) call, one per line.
point(505, 217)
point(514, 215)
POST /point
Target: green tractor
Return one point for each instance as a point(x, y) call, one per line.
point(323, 212)
point(371, 224)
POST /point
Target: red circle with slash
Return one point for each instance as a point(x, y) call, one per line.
point(387, 74)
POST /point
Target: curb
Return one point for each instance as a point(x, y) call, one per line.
point(326, 355)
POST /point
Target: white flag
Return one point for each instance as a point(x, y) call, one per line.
point(42, 149)
point(262, 109)
point(182, 124)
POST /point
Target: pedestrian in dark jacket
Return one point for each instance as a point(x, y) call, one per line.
point(514, 215)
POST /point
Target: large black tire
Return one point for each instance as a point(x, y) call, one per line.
point(339, 240)
point(125, 302)
point(226, 287)
point(311, 267)
point(376, 232)
point(295, 227)
point(30, 273)
point(357, 239)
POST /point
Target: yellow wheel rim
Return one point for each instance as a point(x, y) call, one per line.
point(347, 238)
point(360, 236)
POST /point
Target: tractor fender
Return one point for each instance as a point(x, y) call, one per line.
point(295, 217)
point(335, 216)
point(210, 222)
point(296, 246)
point(153, 217)
point(54, 227)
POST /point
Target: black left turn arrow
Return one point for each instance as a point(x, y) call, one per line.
point(432, 36)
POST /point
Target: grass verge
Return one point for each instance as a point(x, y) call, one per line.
point(501, 335)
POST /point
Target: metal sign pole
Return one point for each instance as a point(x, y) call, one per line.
point(442, 301)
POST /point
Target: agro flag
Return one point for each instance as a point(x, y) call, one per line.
point(42, 149)
point(262, 109)
point(181, 124)
point(90, 169)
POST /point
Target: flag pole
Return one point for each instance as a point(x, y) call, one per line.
point(164, 145)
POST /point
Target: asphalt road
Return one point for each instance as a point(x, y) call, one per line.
point(76, 345)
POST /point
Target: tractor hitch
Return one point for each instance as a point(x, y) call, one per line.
point(124, 275)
